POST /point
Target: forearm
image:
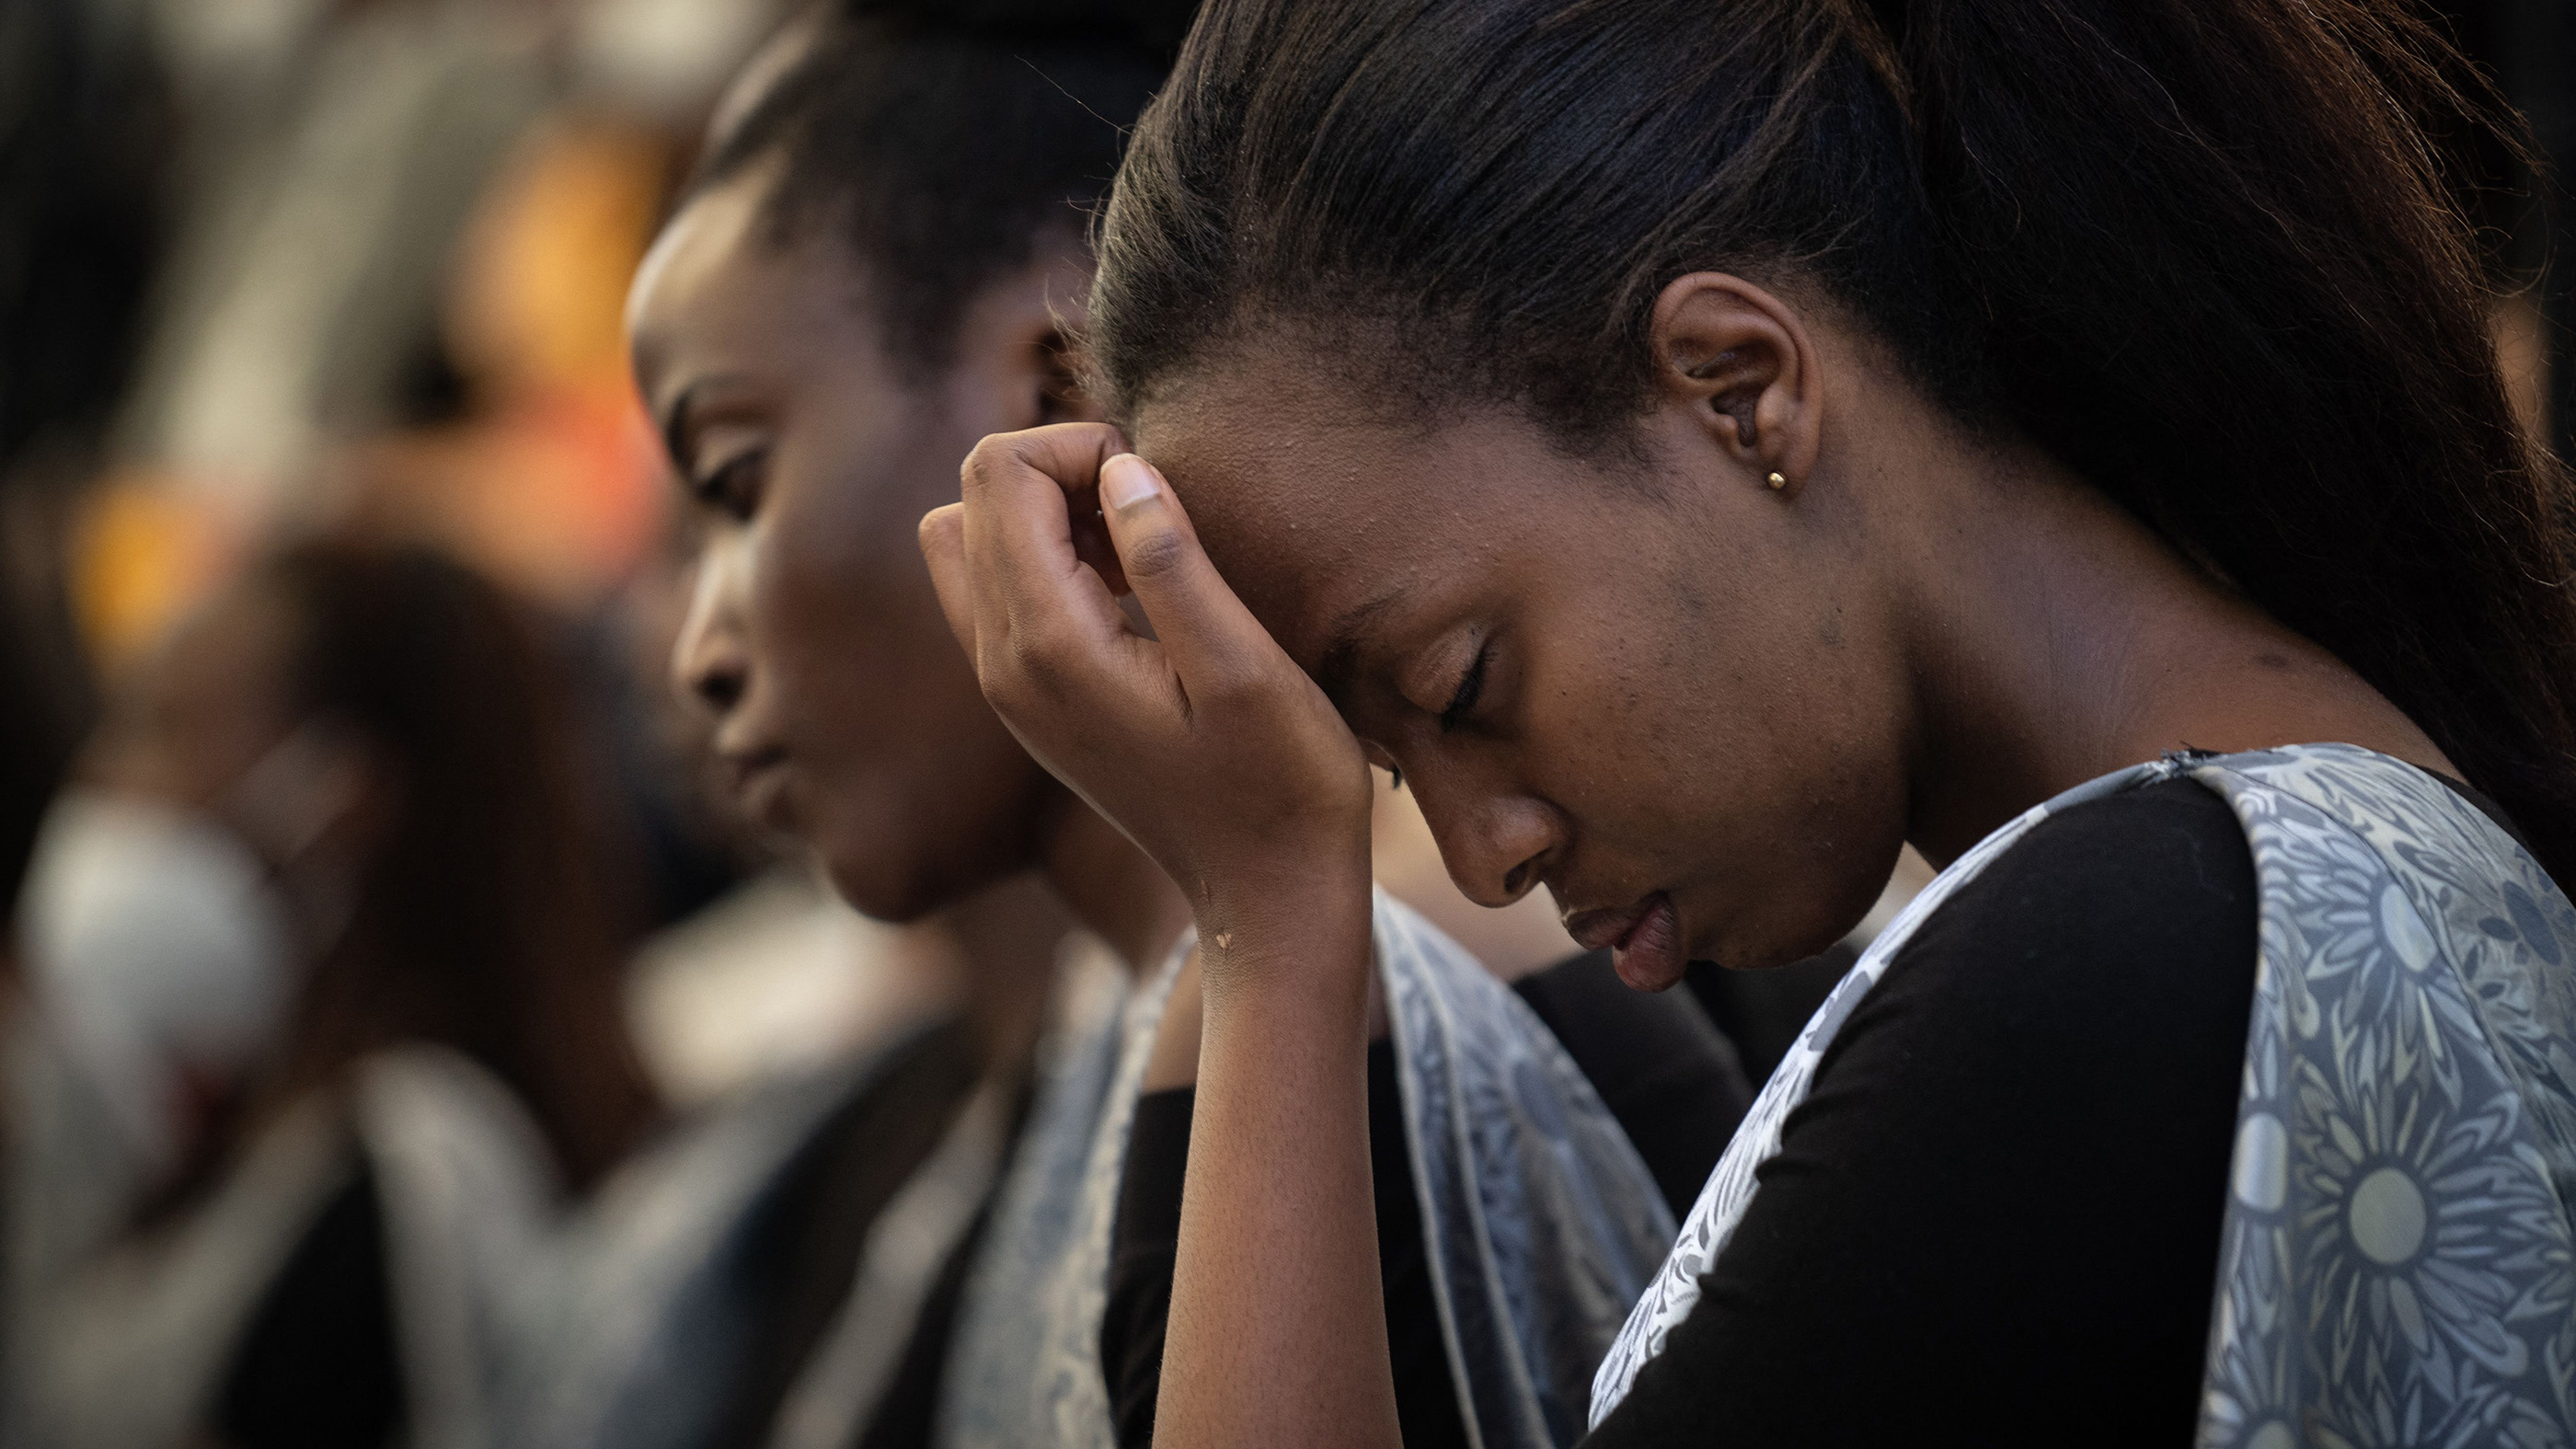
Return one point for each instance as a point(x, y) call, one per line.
point(1278, 1324)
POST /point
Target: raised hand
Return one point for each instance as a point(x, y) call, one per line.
point(1202, 740)
point(1209, 748)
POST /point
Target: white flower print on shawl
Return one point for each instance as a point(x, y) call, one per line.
point(2397, 1262)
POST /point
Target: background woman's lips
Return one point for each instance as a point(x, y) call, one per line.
point(758, 778)
point(744, 766)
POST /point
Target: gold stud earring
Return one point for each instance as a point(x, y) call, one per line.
point(1778, 482)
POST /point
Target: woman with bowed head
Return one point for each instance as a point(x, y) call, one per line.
point(856, 284)
point(874, 268)
point(1704, 446)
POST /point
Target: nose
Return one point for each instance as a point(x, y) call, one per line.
point(709, 662)
point(1496, 843)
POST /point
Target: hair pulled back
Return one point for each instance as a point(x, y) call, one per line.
point(2199, 249)
point(945, 140)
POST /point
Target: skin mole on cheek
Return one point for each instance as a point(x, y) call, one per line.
point(1831, 631)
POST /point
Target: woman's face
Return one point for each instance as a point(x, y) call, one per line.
point(845, 714)
point(206, 710)
point(209, 725)
point(1612, 680)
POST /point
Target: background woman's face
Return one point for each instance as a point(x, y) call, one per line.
point(1610, 681)
point(846, 715)
point(209, 705)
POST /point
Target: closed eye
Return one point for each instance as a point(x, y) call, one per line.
point(733, 488)
point(1471, 687)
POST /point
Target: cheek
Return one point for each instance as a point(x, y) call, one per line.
point(1628, 725)
point(871, 687)
point(1712, 739)
point(843, 606)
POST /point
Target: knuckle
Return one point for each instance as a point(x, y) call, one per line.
point(987, 457)
point(1038, 661)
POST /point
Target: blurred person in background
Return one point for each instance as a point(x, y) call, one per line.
point(872, 271)
point(834, 1215)
point(344, 798)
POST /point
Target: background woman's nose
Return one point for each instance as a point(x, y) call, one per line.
point(717, 683)
point(709, 663)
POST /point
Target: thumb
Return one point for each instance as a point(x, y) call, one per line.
point(1211, 639)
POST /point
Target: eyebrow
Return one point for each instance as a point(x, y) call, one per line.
point(1335, 671)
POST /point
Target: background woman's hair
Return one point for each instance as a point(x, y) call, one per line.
point(2199, 249)
point(482, 921)
point(946, 140)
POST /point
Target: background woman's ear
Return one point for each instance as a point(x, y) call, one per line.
point(1062, 397)
point(1740, 361)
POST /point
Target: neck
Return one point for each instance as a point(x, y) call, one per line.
point(1004, 938)
point(1114, 889)
point(2056, 639)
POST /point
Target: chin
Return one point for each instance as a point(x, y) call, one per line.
point(881, 885)
point(1762, 941)
point(899, 879)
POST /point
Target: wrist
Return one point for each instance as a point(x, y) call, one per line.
point(1282, 888)
point(1306, 926)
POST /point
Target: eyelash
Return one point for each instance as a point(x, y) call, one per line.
point(716, 490)
point(1470, 689)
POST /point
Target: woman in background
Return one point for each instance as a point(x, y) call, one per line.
point(364, 753)
point(854, 287)
point(1706, 445)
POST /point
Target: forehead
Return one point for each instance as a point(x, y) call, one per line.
point(709, 237)
point(1316, 505)
point(721, 277)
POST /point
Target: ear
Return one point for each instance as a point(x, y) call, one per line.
point(1024, 325)
point(1741, 364)
point(1061, 396)
point(1040, 373)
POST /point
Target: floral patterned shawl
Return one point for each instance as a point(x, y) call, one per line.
point(1542, 1221)
point(2397, 1262)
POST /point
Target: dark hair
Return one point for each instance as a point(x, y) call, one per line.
point(2198, 249)
point(483, 923)
point(945, 140)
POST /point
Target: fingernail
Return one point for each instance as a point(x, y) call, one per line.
point(1126, 481)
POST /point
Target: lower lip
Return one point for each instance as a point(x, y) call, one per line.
point(1648, 956)
point(762, 789)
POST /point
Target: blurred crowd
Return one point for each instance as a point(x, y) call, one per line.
point(374, 900)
